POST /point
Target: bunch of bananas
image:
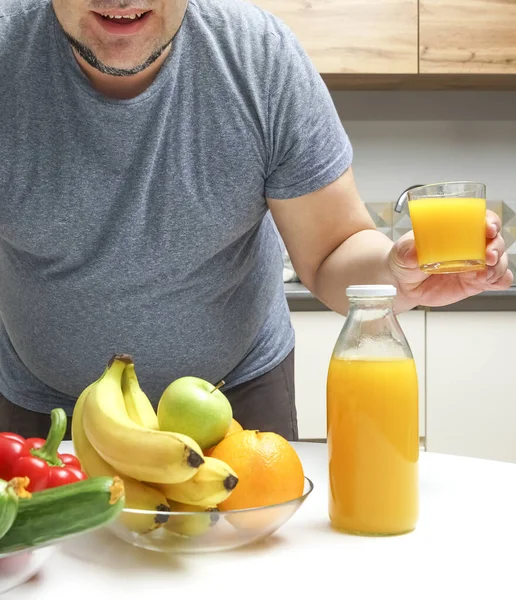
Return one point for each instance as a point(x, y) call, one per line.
point(115, 432)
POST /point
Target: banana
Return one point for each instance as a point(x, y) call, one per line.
point(144, 454)
point(138, 496)
point(137, 404)
point(191, 525)
point(212, 484)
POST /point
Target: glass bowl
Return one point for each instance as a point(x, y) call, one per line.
point(211, 531)
point(19, 567)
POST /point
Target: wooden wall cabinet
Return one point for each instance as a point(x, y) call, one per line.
point(406, 44)
point(467, 36)
point(353, 36)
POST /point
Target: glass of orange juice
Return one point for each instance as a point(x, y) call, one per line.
point(372, 420)
point(449, 223)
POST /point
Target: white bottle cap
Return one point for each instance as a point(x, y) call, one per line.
point(370, 291)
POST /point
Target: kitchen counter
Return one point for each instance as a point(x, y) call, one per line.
point(462, 548)
point(301, 299)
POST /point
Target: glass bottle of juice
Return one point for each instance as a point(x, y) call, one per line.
point(372, 420)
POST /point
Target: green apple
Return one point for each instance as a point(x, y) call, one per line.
point(197, 408)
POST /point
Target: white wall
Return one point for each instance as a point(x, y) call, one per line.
point(405, 138)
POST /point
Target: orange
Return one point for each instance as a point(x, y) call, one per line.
point(233, 428)
point(268, 468)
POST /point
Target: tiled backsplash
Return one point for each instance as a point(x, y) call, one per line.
point(394, 224)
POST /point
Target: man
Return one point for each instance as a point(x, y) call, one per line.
point(145, 146)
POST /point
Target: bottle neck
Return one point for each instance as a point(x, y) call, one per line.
point(372, 330)
point(381, 304)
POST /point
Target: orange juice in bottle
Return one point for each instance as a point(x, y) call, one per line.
point(372, 419)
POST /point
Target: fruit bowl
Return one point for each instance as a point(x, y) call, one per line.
point(196, 532)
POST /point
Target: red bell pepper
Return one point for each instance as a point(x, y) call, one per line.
point(38, 459)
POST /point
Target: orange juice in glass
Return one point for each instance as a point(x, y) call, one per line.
point(372, 420)
point(449, 223)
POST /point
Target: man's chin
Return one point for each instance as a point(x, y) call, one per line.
point(110, 66)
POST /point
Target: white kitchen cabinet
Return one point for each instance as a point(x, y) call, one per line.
point(413, 324)
point(316, 334)
point(471, 384)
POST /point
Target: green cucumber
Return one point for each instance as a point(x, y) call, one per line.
point(57, 513)
point(8, 506)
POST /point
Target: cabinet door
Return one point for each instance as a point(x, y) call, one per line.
point(316, 334)
point(413, 324)
point(467, 36)
point(353, 36)
point(471, 384)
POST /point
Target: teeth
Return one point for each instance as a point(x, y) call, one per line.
point(132, 17)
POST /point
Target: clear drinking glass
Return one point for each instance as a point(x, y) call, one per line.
point(449, 223)
point(372, 419)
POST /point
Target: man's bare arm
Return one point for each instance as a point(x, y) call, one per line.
point(333, 243)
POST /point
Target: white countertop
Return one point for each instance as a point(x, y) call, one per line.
point(462, 548)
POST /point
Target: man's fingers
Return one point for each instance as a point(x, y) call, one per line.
point(494, 250)
point(493, 224)
point(503, 283)
point(406, 255)
point(494, 274)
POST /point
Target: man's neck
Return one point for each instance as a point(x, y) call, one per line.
point(122, 88)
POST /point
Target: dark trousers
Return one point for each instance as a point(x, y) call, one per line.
point(266, 403)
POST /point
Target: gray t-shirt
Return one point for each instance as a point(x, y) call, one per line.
point(141, 225)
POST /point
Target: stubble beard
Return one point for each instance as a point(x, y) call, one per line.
point(89, 56)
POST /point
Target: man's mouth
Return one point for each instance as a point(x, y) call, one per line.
point(124, 19)
point(123, 22)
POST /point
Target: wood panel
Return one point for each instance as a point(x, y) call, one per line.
point(353, 36)
point(467, 36)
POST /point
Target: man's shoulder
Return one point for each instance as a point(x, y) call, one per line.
point(239, 18)
point(18, 9)
point(20, 26)
point(18, 19)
